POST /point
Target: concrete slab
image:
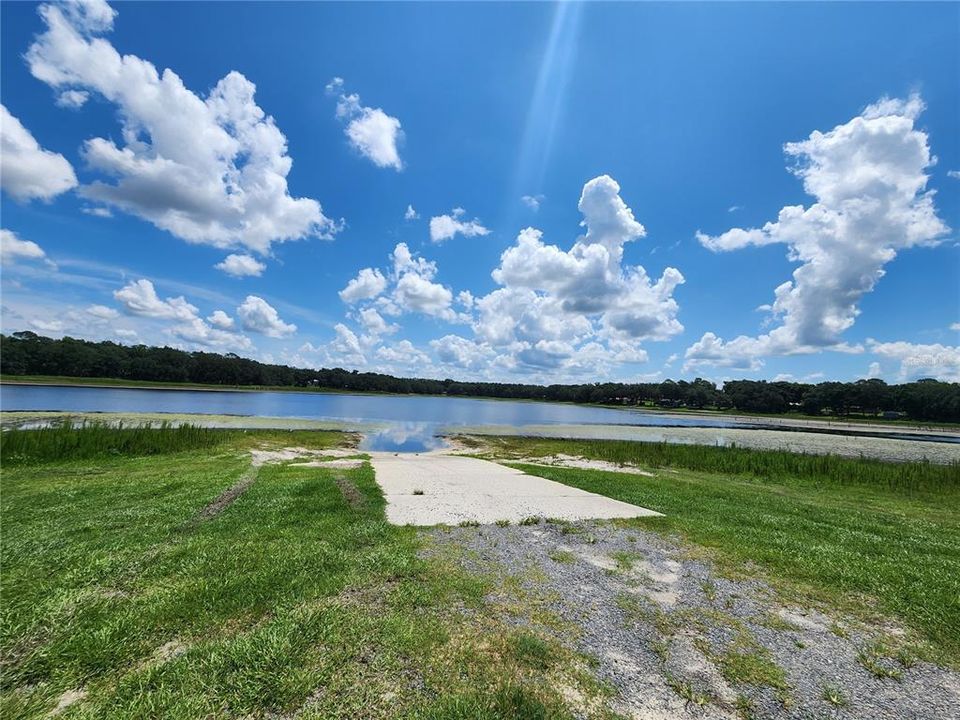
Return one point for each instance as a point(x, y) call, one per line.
point(457, 489)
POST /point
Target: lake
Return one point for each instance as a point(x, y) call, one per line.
point(403, 409)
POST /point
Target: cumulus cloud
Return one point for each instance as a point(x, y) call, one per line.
point(139, 297)
point(72, 99)
point(371, 132)
point(209, 170)
point(403, 353)
point(27, 171)
point(742, 353)
point(445, 227)
point(97, 211)
point(12, 248)
point(461, 352)
point(368, 284)
point(374, 324)
point(411, 214)
point(955, 174)
point(219, 319)
point(557, 308)
point(102, 313)
point(198, 332)
point(241, 266)
point(257, 315)
point(533, 201)
point(868, 177)
point(920, 361)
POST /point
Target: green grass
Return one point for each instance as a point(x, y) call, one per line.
point(292, 599)
point(862, 545)
point(768, 465)
point(88, 440)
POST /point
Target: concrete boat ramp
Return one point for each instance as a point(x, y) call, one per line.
point(434, 488)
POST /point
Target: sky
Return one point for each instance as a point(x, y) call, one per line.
point(527, 192)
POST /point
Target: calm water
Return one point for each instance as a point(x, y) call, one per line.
point(411, 410)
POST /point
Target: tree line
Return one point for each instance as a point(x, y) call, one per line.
point(26, 353)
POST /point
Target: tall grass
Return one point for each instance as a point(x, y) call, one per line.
point(68, 441)
point(773, 465)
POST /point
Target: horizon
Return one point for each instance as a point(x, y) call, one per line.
point(620, 193)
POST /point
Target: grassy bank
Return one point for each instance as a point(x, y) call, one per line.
point(860, 535)
point(68, 441)
point(123, 593)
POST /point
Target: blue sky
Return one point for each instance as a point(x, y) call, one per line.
point(766, 190)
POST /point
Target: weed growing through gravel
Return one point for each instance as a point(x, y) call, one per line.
point(833, 695)
point(563, 556)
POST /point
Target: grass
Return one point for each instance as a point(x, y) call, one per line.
point(769, 465)
point(292, 599)
point(89, 440)
point(888, 544)
point(833, 695)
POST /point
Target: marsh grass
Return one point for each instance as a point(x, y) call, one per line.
point(767, 465)
point(68, 441)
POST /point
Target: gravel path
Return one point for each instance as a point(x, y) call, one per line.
point(677, 641)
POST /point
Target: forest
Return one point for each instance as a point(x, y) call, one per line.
point(26, 353)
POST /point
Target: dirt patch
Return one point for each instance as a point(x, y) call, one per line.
point(573, 461)
point(350, 492)
point(68, 699)
point(331, 464)
point(226, 498)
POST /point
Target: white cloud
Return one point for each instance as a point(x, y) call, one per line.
point(209, 170)
point(559, 314)
point(869, 179)
point(140, 298)
point(742, 353)
point(874, 370)
point(533, 201)
point(955, 326)
point(241, 266)
point(561, 308)
point(733, 208)
point(257, 315)
point(27, 171)
point(72, 99)
point(12, 248)
point(403, 353)
point(462, 353)
point(102, 313)
point(374, 324)
point(368, 284)
point(371, 132)
point(345, 347)
point(919, 361)
point(955, 174)
point(97, 211)
point(411, 214)
point(198, 332)
point(219, 319)
point(445, 227)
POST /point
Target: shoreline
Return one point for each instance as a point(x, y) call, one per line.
point(810, 441)
point(857, 426)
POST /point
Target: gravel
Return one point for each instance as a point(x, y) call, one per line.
point(659, 623)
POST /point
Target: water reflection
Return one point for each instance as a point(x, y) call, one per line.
point(405, 438)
